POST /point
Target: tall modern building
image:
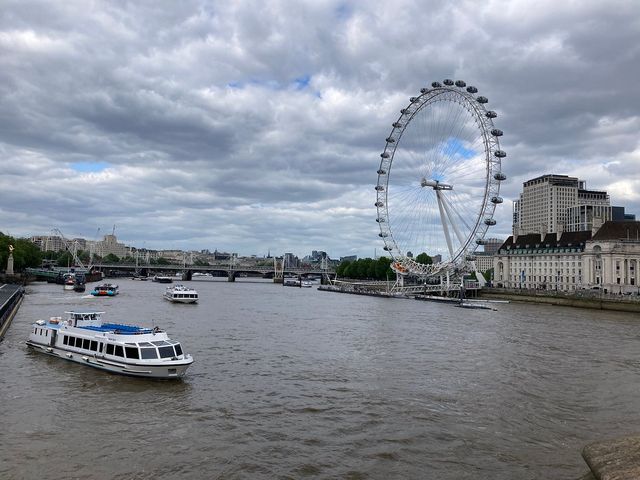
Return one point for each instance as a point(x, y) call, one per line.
point(557, 204)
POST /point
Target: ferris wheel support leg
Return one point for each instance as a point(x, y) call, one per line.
point(444, 222)
point(445, 204)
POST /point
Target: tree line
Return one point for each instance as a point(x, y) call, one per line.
point(25, 253)
point(370, 269)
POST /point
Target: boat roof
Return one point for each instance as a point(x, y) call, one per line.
point(117, 328)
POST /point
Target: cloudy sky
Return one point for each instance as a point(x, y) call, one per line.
point(256, 126)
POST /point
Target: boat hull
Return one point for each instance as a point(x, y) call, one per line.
point(181, 300)
point(158, 371)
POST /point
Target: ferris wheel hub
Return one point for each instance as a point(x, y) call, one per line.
point(435, 184)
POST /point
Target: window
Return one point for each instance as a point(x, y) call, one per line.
point(109, 349)
point(78, 342)
point(94, 345)
point(65, 339)
point(118, 351)
point(149, 353)
point(166, 352)
point(178, 349)
point(132, 352)
point(86, 343)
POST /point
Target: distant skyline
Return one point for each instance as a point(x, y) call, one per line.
point(252, 127)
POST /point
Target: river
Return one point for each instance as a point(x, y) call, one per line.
point(300, 383)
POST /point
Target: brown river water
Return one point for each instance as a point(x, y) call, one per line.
point(299, 383)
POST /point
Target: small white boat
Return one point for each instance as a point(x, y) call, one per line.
point(181, 294)
point(306, 284)
point(126, 349)
point(69, 281)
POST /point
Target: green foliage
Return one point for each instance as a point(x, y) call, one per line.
point(200, 263)
point(365, 269)
point(424, 259)
point(163, 261)
point(111, 258)
point(65, 259)
point(25, 253)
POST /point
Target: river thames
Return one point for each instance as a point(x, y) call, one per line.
point(299, 383)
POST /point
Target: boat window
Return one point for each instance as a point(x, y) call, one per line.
point(94, 345)
point(109, 349)
point(166, 352)
point(149, 353)
point(132, 352)
point(161, 343)
point(86, 343)
point(78, 343)
point(178, 349)
point(145, 344)
point(46, 333)
point(65, 339)
point(100, 347)
point(118, 351)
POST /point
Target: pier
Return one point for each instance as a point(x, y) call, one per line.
point(10, 299)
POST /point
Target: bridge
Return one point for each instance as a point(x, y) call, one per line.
point(231, 271)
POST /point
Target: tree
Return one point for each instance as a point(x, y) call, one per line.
point(25, 253)
point(163, 261)
point(424, 259)
point(65, 259)
point(111, 258)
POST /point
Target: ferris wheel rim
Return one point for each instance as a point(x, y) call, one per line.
point(492, 155)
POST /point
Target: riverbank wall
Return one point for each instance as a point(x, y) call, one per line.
point(621, 303)
point(11, 296)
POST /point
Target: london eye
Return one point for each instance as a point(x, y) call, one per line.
point(439, 179)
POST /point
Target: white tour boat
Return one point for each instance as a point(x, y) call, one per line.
point(181, 294)
point(117, 348)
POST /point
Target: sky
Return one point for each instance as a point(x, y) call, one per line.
point(256, 127)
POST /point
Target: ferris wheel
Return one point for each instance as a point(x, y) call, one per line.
point(439, 179)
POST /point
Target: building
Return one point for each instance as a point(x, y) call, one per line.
point(110, 245)
point(546, 262)
point(612, 258)
point(607, 260)
point(49, 243)
point(483, 261)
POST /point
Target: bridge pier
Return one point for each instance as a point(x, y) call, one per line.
point(187, 275)
point(231, 277)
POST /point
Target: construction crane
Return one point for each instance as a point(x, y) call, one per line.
point(71, 246)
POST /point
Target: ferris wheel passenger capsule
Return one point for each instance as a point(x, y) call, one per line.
point(500, 153)
point(436, 85)
point(481, 241)
point(489, 221)
point(471, 89)
point(384, 155)
point(496, 132)
point(460, 83)
point(380, 220)
point(391, 139)
point(383, 234)
point(379, 204)
point(388, 249)
point(500, 176)
point(496, 200)
point(382, 172)
point(379, 188)
point(491, 114)
point(424, 90)
point(448, 82)
point(396, 125)
point(482, 99)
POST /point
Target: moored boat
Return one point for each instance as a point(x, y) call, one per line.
point(162, 279)
point(69, 281)
point(105, 290)
point(181, 294)
point(118, 348)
